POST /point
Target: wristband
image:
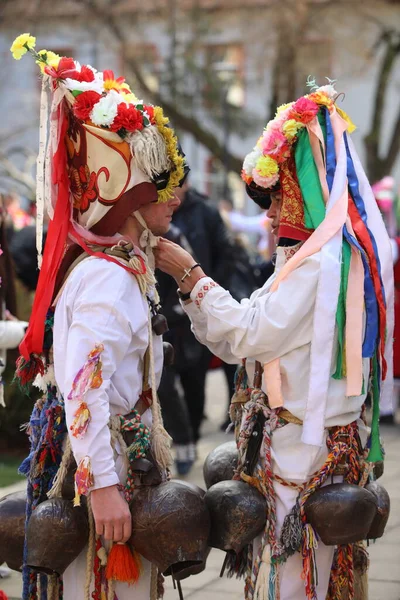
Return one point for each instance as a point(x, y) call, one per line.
point(183, 295)
point(187, 272)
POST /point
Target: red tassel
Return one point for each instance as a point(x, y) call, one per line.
point(122, 564)
point(26, 371)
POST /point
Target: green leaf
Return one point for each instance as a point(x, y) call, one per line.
point(76, 93)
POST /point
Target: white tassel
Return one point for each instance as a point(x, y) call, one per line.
point(150, 152)
point(42, 381)
point(147, 240)
point(262, 583)
point(55, 491)
point(160, 439)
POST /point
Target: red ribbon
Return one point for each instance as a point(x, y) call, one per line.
point(54, 248)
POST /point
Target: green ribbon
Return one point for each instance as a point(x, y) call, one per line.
point(310, 185)
point(375, 450)
point(341, 309)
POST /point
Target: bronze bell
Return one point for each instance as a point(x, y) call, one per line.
point(169, 354)
point(192, 569)
point(238, 514)
point(341, 513)
point(57, 533)
point(382, 515)
point(12, 529)
point(220, 464)
point(170, 526)
point(159, 324)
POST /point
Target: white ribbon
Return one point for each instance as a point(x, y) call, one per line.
point(147, 240)
point(40, 167)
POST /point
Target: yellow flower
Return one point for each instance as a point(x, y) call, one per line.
point(283, 107)
point(177, 160)
point(49, 58)
point(321, 99)
point(22, 44)
point(267, 166)
point(291, 128)
point(129, 98)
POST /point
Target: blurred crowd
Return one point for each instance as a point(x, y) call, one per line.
point(235, 249)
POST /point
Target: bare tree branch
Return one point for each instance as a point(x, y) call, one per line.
point(21, 177)
point(180, 119)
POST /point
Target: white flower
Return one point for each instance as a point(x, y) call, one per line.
point(329, 90)
point(105, 111)
point(85, 86)
point(250, 160)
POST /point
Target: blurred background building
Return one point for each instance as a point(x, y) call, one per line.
point(219, 67)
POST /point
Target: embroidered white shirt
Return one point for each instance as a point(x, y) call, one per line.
point(272, 325)
point(101, 304)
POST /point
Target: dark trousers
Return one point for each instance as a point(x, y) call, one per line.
point(174, 409)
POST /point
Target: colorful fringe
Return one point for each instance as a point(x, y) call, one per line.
point(263, 570)
point(138, 449)
point(47, 430)
point(343, 568)
point(89, 377)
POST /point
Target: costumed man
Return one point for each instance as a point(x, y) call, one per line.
point(108, 166)
point(320, 333)
point(385, 194)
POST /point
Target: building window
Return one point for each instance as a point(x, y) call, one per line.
point(224, 65)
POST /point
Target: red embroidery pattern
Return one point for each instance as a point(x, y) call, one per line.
point(203, 291)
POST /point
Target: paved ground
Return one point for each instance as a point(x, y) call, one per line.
point(385, 553)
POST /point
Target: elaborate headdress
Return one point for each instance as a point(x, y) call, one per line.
point(102, 155)
point(328, 204)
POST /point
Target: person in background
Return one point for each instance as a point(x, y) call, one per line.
point(202, 225)
point(12, 330)
point(385, 195)
point(187, 351)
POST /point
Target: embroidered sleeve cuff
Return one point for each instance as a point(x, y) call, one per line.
point(201, 289)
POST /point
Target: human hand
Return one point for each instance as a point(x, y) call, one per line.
point(173, 259)
point(111, 514)
point(9, 317)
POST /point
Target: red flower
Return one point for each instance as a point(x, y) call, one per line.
point(304, 110)
point(150, 111)
point(86, 74)
point(66, 68)
point(84, 103)
point(83, 187)
point(128, 117)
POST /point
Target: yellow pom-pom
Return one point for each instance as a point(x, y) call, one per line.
point(267, 166)
point(22, 44)
point(122, 565)
point(291, 128)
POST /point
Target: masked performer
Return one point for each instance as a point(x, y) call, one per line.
point(108, 166)
point(319, 332)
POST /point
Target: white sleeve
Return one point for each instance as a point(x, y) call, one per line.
point(99, 316)
point(264, 328)
point(11, 333)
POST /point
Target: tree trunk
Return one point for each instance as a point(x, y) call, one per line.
point(378, 166)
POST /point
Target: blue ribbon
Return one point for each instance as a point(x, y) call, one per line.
point(371, 304)
point(359, 202)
